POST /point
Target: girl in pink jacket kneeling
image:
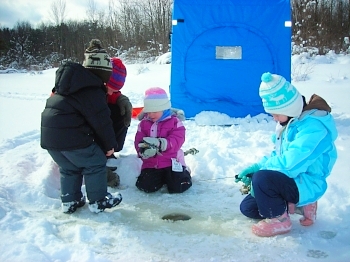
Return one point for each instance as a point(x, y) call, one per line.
point(158, 142)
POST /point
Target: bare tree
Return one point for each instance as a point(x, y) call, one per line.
point(21, 46)
point(158, 18)
point(139, 29)
point(58, 10)
point(92, 11)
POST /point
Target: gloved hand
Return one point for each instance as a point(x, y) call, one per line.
point(148, 152)
point(160, 143)
point(125, 107)
point(150, 146)
point(245, 174)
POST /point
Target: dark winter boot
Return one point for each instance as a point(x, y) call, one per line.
point(113, 179)
point(71, 207)
point(109, 201)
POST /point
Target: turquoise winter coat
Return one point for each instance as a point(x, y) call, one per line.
point(305, 151)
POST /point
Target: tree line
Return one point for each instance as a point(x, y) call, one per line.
point(140, 29)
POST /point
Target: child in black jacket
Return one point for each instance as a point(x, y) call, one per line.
point(73, 120)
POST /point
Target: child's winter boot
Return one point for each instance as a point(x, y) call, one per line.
point(273, 226)
point(109, 201)
point(71, 207)
point(309, 213)
point(113, 179)
point(292, 209)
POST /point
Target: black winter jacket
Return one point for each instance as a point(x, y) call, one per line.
point(77, 114)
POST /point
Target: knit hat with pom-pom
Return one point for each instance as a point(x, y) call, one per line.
point(279, 96)
point(156, 100)
point(117, 79)
point(97, 60)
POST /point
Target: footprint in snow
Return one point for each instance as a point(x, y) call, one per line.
point(327, 234)
point(316, 253)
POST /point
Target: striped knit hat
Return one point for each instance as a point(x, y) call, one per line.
point(156, 100)
point(279, 96)
point(97, 60)
point(117, 79)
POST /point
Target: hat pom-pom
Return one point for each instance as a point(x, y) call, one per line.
point(266, 77)
point(95, 43)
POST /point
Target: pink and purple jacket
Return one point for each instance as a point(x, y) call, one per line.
point(170, 128)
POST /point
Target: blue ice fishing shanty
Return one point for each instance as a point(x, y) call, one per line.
point(220, 49)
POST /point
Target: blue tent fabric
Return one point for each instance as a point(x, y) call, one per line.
point(220, 49)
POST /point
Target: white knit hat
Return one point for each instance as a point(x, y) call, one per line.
point(279, 96)
point(156, 100)
point(97, 60)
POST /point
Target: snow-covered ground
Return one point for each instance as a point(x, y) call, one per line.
point(33, 228)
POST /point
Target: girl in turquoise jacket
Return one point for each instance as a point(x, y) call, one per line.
point(293, 177)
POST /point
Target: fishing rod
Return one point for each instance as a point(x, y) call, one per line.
point(244, 188)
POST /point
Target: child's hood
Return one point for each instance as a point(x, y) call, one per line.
point(317, 102)
point(180, 114)
point(319, 109)
point(72, 77)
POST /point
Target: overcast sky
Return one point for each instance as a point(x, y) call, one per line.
point(36, 11)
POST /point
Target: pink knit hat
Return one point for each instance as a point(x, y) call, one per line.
point(156, 100)
point(117, 79)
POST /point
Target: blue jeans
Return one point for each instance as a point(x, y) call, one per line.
point(273, 190)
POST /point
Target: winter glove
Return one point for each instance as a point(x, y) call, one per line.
point(160, 143)
point(125, 107)
point(150, 146)
point(148, 152)
point(246, 175)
